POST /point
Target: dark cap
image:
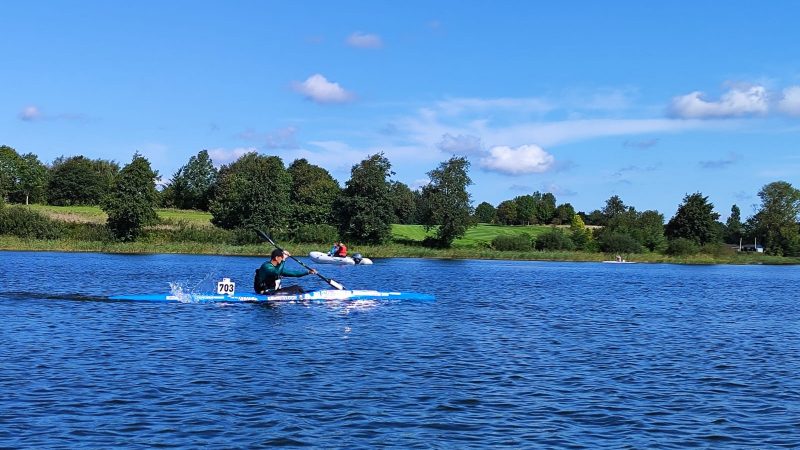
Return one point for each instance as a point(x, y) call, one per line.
point(275, 253)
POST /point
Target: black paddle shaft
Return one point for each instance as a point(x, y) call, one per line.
point(330, 281)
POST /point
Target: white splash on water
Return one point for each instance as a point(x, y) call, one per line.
point(177, 289)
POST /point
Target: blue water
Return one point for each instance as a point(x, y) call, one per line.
point(512, 354)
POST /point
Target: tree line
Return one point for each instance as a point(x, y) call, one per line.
point(255, 191)
point(303, 200)
point(619, 228)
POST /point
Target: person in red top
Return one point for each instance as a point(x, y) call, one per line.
point(341, 252)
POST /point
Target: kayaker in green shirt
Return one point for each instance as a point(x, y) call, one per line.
point(268, 276)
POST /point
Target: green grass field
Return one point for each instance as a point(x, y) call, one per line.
point(477, 236)
point(93, 214)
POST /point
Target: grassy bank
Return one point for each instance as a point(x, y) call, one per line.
point(191, 232)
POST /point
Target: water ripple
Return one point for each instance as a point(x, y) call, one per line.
point(543, 355)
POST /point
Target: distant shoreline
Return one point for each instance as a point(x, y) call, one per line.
point(375, 252)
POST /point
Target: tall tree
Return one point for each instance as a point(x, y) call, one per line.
point(8, 170)
point(507, 212)
point(252, 192)
point(77, 180)
point(403, 202)
point(365, 209)
point(32, 179)
point(546, 208)
point(695, 220)
point(313, 194)
point(131, 204)
point(649, 230)
point(526, 210)
point(581, 236)
point(448, 200)
point(614, 206)
point(192, 185)
point(485, 213)
point(775, 223)
point(23, 179)
point(733, 226)
point(564, 213)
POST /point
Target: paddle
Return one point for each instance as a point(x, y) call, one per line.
point(266, 237)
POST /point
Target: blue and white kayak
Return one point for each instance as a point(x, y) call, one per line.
point(322, 296)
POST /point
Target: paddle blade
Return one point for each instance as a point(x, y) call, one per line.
point(335, 284)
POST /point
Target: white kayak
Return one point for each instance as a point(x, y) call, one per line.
point(620, 262)
point(324, 258)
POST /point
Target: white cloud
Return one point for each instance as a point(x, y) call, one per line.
point(461, 144)
point(222, 156)
point(790, 101)
point(521, 160)
point(364, 40)
point(30, 113)
point(739, 101)
point(318, 89)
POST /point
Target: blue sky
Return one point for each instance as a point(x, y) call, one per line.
point(646, 100)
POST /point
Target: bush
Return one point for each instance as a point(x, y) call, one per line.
point(619, 243)
point(188, 232)
point(515, 242)
point(718, 250)
point(25, 223)
point(554, 240)
point(317, 234)
point(681, 247)
point(89, 232)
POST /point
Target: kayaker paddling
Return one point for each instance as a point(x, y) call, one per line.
point(268, 276)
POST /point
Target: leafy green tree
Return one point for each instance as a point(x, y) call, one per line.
point(617, 217)
point(365, 210)
point(131, 204)
point(526, 210)
point(564, 213)
point(9, 171)
point(614, 207)
point(403, 202)
point(32, 179)
point(733, 226)
point(618, 243)
point(253, 192)
point(507, 212)
point(192, 186)
point(448, 201)
point(545, 208)
point(595, 217)
point(695, 220)
point(313, 194)
point(419, 206)
point(22, 178)
point(485, 213)
point(649, 230)
point(77, 180)
point(581, 236)
point(775, 223)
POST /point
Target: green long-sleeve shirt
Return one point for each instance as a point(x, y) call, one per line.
point(269, 274)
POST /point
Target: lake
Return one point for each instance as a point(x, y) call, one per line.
point(511, 354)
